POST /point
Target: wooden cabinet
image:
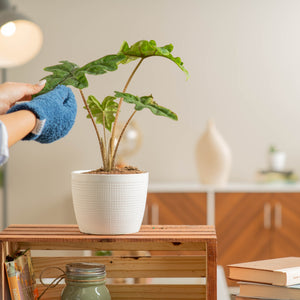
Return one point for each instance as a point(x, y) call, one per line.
point(254, 226)
point(286, 225)
point(183, 208)
point(240, 227)
point(253, 222)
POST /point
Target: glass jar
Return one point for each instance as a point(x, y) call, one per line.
point(85, 281)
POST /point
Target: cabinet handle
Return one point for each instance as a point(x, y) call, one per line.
point(155, 214)
point(278, 215)
point(267, 216)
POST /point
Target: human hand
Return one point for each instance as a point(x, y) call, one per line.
point(11, 92)
point(55, 112)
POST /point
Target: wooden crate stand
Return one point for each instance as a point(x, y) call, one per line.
point(188, 252)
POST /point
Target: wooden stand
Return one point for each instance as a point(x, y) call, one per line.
point(188, 252)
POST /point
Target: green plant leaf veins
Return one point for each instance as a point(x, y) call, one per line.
point(105, 110)
point(68, 73)
point(147, 102)
point(144, 49)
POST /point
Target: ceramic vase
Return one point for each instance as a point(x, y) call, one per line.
point(213, 157)
point(277, 161)
point(109, 203)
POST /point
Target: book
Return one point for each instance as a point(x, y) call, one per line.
point(278, 271)
point(13, 278)
point(270, 176)
point(250, 298)
point(20, 276)
point(258, 290)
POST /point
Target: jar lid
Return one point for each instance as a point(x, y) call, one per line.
point(85, 269)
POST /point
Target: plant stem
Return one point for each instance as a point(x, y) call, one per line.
point(112, 152)
point(104, 144)
point(120, 137)
point(103, 153)
point(95, 126)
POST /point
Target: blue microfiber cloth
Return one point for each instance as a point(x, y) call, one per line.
point(55, 112)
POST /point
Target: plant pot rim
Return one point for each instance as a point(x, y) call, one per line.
point(81, 172)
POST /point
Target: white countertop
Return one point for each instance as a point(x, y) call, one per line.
point(230, 187)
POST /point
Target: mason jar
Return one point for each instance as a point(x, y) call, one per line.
point(85, 281)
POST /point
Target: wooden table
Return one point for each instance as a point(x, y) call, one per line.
point(176, 252)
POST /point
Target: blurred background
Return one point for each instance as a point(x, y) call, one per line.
point(244, 64)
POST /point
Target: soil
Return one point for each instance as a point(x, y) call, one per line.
point(123, 170)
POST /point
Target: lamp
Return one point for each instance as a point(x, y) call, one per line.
point(20, 41)
point(20, 38)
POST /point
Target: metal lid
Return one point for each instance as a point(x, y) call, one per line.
point(85, 269)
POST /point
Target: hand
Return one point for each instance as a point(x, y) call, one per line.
point(11, 92)
point(55, 112)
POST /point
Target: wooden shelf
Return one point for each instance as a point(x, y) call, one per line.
point(200, 241)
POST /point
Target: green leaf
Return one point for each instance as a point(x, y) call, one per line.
point(68, 73)
point(103, 64)
point(147, 102)
point(107, 110)
point(144, 49)
point(64, 73)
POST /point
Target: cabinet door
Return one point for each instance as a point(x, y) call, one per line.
point(286, 225)
point(243, 223)
point(176, 208)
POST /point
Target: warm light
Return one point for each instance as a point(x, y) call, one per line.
point(8, 29)
point(22, 46)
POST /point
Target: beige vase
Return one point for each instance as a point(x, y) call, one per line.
point(213, 157)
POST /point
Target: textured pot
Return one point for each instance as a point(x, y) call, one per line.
point(109, 203)
point(213, 157)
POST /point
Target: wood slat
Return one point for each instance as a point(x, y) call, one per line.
point(151, 291)
point(143, 292)
point(121, 246)
point(143, 228)
point(64, 237)
point(127, 267)
point(4, 293)
point(211, 287)
point(52, 293)
point(10, 236)
point(147, 231)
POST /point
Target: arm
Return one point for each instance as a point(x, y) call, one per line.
point(45, 119)
point(55, 113)
point(18, 124)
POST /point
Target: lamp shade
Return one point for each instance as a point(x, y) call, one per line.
point(20, 38)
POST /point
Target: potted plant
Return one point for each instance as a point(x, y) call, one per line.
point(276, 159)
point(111, 200)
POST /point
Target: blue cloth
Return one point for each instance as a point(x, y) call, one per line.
point(55, 112)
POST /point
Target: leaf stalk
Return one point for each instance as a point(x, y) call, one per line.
point(112, 153)
point(120, 137)
point(95, 126)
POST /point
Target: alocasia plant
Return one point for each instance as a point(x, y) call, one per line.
point(107, 112)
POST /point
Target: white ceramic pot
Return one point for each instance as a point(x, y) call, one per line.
point(109, 203)
point(277, 161)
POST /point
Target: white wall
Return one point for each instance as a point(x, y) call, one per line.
point(244, 64)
